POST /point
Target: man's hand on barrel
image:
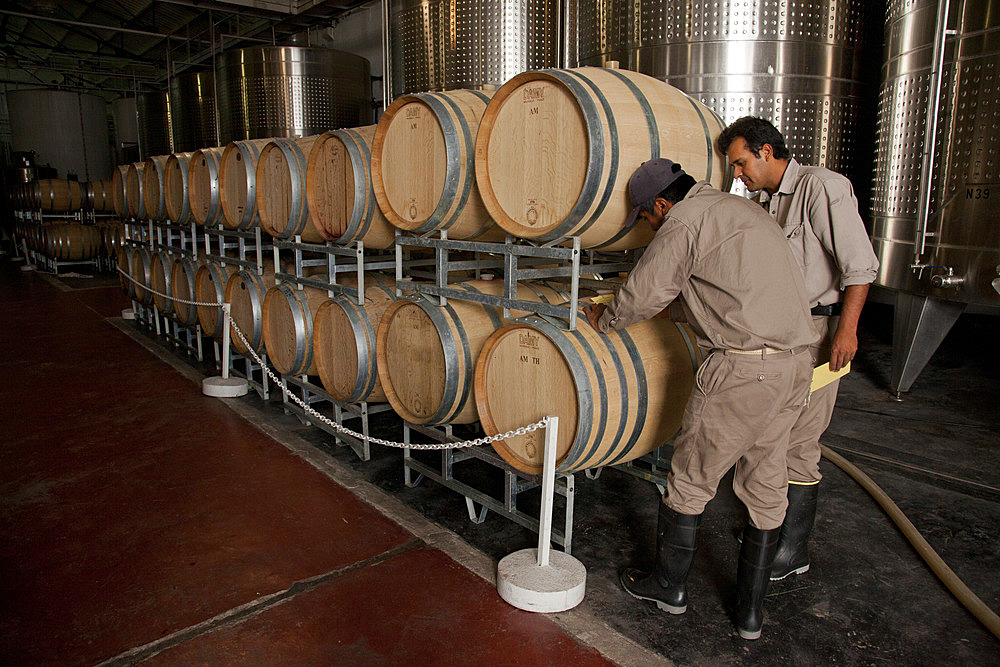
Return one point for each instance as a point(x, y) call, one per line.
point(594, 312)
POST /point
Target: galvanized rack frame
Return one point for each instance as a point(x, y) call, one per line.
point(51, 264)
point(312, 394)
point(515, 482)
point(336, 259)
point(181, 240)
point(244, 242)
point(519, 260)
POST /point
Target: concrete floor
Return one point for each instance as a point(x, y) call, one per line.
point(137, 533)
point(144, 521)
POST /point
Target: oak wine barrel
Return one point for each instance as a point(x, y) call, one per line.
point(423, 162)
point(289, 313)
point(210, 287)
point(339, 189)
point(344, 335)
point(118, 178)
point(71, 241)
point(183, 285)
point(112, 236)
point(153, 187)
point(203, 186)
point(427, 353)
point(135, 202)
point(245, 291)
point(238, 183)
point(281, 189)
point(56, 194)
point(618, 396)
point(175, 187)
point(141, 265)
point(556, 149)
point(123, 259)
point(102, 195)
point(160, 279)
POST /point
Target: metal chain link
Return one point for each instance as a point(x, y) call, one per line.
point(166, 296)
point(523, 430)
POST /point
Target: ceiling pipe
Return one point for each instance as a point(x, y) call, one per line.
point(98, 26)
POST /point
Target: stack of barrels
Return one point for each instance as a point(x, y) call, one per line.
point(545, 157)
point(62, 239)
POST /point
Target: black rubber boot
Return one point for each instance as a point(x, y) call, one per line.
point(793, 545)
point(676, 542)
point(752, 577)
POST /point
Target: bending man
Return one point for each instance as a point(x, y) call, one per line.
point(731, 264)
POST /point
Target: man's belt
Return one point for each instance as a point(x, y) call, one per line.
point(830, 311)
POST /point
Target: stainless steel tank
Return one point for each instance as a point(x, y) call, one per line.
point(796, 63)
point(291, 91)
point(935, 209)
point(155, 134)
point(192, 110)
point(66, 130)
point(449, 44)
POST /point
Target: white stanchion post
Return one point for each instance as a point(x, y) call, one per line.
point(225, 386)
point(548, 490)
point(542, 580)
point(226, 307)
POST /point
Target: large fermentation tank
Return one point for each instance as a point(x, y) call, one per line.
point(155, 135)
point(68, 131)
point(291, 91)
point(449, 44)
point(935, 208)
point(192, 110)
point(796, 63)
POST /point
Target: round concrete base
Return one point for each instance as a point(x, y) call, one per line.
point(220, 387)
point(128, 314)
point(558, 586)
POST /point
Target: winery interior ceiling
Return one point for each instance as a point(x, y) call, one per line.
point(110, 47)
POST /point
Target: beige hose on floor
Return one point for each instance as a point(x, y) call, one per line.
point(958, 588)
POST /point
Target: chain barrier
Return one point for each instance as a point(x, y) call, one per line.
point(523, 430)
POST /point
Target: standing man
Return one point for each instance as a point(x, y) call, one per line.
point(818, 213)
point(731, 264)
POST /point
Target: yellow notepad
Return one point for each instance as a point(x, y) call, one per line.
point(823, 376)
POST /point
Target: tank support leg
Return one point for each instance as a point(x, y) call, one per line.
point(919, 325)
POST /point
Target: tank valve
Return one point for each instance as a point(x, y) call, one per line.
point(947, 280)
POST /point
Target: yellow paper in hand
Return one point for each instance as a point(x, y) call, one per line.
point(603, 298)
point(822, 375)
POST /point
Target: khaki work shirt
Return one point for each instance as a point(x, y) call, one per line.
point(818, 213)
point(731, 264)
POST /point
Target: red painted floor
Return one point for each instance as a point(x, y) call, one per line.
point(134, 508)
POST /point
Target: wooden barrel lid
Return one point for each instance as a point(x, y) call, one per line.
point(175, 187)
point(182, 280)
point(521, 377)
point(210, 287)
point(412, 185)
point(412, 358)
point(338, 362)
point(203, 186)
point(330, 185)
point(152, 187)
point(245, 312)
point(159, 279)
point(535, 162)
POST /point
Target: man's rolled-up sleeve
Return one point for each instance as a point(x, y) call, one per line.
point(836, 222)
point(656, 280)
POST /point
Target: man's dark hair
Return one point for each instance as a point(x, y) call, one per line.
point(673, 193)
point(755, 132)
